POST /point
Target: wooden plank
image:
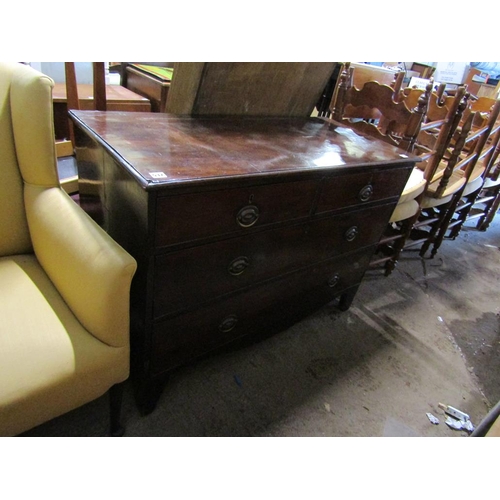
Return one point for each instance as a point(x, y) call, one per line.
point(184, 87)
point(255, 88)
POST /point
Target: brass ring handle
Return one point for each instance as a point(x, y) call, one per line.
point(351, 233)
point(365, 193)
point(238, 265)
point(334, 280)
point(227, 324)
point(248, 216)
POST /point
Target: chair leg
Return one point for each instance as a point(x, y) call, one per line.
point(438, 238)
point(433, 230)
point(449, 212)
point(406, 227)
point(463, 214)
point(115, 406)
point(488, 217)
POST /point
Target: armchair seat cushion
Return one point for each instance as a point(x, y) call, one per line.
point(49, 363)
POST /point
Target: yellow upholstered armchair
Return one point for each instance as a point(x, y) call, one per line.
point(64, 283)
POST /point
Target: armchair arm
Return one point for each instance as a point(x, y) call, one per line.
point(89, 269)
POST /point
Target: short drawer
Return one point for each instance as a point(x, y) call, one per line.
point(357, 189)
point(198, 274)
point(272, 306)
point(191, 217)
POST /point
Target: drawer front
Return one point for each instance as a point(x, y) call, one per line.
point(194, 275)
point(266, 308)
point(196, 216)
point(357, 189)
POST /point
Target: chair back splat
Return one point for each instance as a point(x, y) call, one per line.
point(373, 110)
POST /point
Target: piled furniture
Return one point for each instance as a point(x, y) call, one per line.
point(424, 127)
point(64, 283)
point(480, 199)
point(456, 138)
point(487, 202)
point(463, 175)
point(432, 145)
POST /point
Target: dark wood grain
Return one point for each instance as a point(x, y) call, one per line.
point(188, 149)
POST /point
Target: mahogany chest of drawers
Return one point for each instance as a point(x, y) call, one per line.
point(240, 226)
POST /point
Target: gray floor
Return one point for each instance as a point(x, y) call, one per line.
point(66, 166)
point(428, 334)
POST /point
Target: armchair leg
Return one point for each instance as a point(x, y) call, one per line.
point(115, 407)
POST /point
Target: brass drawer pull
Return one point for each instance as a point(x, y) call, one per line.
point(334, 280)
point(228, 323)
point(248, 216)
point(366, 193)
point(238, 265)
point(351, 233)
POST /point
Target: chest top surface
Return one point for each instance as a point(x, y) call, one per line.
point(160, 149)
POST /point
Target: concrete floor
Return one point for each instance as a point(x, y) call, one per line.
point(428, 334)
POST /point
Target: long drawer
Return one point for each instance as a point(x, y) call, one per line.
point(275, 304)
point(191, 276)
point(192, 217)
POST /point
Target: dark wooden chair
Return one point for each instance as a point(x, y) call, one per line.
point(488, 199)
point(375, 110)
point(426, 129)
point(483, 185)
point(463, 175)
point(432, 144)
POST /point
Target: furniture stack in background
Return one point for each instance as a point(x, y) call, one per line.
point(464, 156)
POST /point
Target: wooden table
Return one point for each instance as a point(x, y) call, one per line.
point(118, 98)
point(150, 84)
point(241, 226)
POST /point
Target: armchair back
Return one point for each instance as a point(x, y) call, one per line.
point(27, 150)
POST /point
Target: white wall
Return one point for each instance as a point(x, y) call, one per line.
point(55, 70)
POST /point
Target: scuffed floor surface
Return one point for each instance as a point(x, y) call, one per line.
point(428, 334)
